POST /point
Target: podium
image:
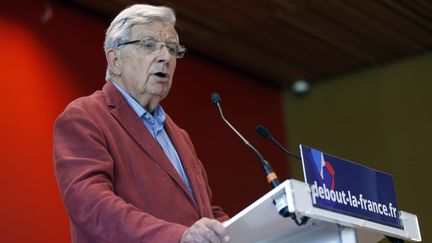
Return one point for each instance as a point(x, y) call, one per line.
point(261, 222)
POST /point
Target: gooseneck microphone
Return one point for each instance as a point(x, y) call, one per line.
point(263, 132)
point(268, 171)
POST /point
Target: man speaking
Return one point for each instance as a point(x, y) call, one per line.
point(126, 171)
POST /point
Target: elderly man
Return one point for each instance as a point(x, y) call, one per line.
point(126, 171)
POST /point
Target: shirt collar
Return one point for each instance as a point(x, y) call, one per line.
point(158, 114)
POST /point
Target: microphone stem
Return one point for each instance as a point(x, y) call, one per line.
point(284, 149)
point(235, 130)
point(268, 171)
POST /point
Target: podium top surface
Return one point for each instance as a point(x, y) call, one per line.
point(260, 221)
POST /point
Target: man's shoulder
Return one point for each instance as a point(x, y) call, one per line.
point(89, 104)
point(94, 108)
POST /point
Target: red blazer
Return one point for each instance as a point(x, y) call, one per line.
point(115, 180)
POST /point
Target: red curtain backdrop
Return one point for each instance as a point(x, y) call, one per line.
point(47, 62)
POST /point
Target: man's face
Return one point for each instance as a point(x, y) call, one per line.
point(147, 76)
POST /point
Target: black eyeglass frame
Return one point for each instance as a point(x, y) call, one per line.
point(181, 50)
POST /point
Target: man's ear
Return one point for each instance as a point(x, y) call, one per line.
point(114, 61)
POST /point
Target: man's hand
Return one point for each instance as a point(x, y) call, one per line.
point(205, 230)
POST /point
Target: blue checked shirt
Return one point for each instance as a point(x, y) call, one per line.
point(155, 125)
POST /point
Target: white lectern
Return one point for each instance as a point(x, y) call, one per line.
point(261, 222)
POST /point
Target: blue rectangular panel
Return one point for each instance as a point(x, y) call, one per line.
point(349, 188)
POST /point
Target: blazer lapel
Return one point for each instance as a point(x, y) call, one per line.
point(126, 116)
point(187, 159)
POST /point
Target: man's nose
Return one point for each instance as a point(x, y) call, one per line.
point(164, 55)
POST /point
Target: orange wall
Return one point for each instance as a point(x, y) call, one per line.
point(45, 65)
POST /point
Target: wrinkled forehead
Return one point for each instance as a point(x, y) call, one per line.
point(156, 29)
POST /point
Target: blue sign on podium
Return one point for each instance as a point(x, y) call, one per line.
point(349, 188)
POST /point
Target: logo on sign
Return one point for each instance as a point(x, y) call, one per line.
point(324, 169)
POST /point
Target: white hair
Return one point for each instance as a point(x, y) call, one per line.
point(119, 30)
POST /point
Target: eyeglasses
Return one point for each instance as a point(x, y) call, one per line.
point(150, 45)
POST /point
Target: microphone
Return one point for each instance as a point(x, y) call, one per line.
point(268, 171)
point(263, 132)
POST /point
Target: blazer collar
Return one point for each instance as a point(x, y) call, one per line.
point(130, 121)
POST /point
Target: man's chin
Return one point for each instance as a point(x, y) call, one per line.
point(161, 94)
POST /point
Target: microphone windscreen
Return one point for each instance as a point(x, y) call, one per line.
point(215, 98)
point(262, 131)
